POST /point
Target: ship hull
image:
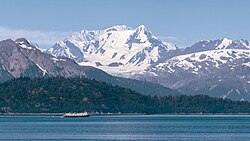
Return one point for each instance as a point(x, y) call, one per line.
point(76, 116)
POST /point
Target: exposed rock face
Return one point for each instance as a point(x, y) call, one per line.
point(15, 63)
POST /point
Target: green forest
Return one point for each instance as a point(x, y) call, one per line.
point(59, 95)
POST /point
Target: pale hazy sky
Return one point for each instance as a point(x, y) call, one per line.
point(182, 22)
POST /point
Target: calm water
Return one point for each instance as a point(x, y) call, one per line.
point(157, 127)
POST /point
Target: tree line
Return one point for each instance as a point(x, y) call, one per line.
point(59, 95)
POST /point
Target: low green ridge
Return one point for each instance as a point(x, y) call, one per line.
point(58, 95)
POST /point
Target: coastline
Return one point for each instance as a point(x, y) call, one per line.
point(107, 114)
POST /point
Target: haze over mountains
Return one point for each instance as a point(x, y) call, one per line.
point(219, 68)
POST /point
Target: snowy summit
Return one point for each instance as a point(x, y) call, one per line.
point(128, 50)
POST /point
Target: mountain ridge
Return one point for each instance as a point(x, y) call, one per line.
point(129, 49)
point(231, 55)
point(22, 59)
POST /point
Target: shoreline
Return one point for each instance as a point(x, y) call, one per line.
point(110, 114)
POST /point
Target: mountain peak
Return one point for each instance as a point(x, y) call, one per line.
point(83, 31)
point(224, 43)
point(141, 27)
point(22, 40)
point(113, 28)
point(244, 42)
point(24, 43)
point(225, 38)
point(118, 28)
point(143, 31)
point(132, 49)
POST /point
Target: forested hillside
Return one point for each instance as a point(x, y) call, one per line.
point(57, 95)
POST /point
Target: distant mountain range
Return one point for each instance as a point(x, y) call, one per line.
point(20, 58)
point(219, 68)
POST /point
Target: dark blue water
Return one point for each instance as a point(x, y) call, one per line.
point(141, 127)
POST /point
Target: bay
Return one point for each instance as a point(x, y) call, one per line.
point(127, 127)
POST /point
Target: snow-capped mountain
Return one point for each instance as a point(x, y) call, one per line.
point(118, 50)
point(20, 58)
point(218, 68)
point(223, 73)
point(215, 67)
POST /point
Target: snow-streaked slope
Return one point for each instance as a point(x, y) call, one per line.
point(117, 50)
point(213, 72)
point(223, 43)
point(212, 58)
point(25, 43)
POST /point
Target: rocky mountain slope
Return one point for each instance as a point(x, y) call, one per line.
point(221, 73)
point(21, 59)
point(219, 68)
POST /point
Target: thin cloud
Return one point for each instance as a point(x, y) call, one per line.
point(45, 39)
